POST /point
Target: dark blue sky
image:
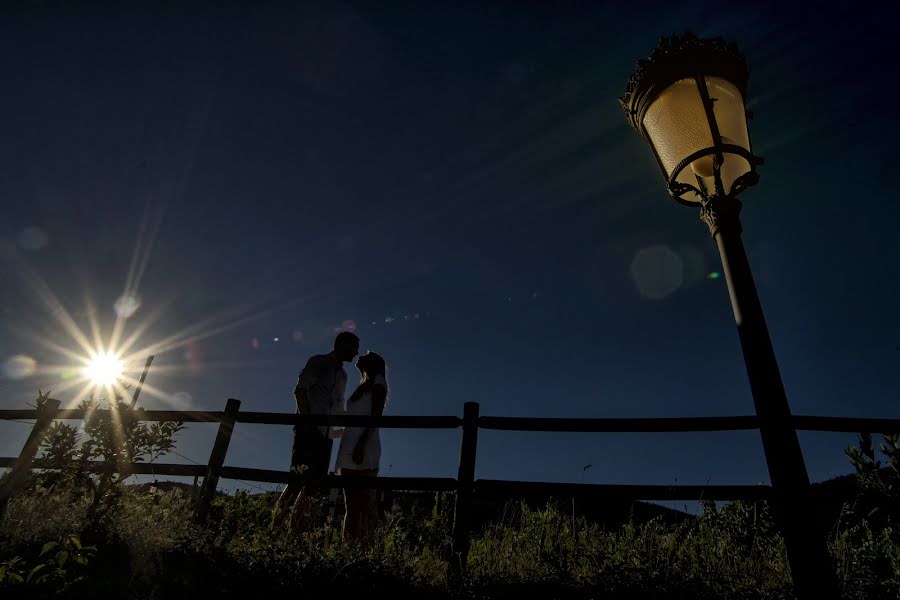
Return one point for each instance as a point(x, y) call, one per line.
point(458, 180)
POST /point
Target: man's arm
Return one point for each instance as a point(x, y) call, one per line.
point(310, 388)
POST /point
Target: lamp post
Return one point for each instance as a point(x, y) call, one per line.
point(687, 101)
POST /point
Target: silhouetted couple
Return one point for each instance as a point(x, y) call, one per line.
point(320, 391)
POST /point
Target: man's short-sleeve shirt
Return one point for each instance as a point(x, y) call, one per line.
point(324, 381)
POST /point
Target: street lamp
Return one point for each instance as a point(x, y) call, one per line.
point(687, 101)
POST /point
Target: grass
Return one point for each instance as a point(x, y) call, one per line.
point(148, 547)
point(71, 533)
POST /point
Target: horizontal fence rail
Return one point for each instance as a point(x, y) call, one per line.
point(425, 484)
point(437, 484)
point(389, 422)
point(599, 425)
point(261, 418)
point(623, 492)
point(78, 414)
point(627, 425)
point(846, 424)
point(165, 469)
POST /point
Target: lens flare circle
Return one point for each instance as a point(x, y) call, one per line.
point(126, 306)
point(657, 272)
point(20, 366)
point(104, 369)
point(33, 238)
point(181, 399)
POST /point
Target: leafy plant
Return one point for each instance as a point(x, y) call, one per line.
point(879, 496)
point(100, 459)
point(58, 566)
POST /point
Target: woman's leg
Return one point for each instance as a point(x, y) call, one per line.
point(349, 501)
point(360, 508)
point(369, 510)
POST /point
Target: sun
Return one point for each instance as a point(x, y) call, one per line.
point(104, 368)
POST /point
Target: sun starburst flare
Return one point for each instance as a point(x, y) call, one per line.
point(102, 358)
point(104, 369)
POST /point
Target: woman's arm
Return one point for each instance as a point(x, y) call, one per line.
point(379, 397)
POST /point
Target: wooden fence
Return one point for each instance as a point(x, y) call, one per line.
point(465, 484)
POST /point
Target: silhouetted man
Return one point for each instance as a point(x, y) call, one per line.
point(319, 391)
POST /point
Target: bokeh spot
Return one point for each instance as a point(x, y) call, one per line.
point(657, 272)
point(126, 306)
point(19, 366)
point(33, 238)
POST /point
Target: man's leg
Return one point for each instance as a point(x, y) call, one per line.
point(317, 450)
point(299, 457)
point(282, 507)
point(301, 510)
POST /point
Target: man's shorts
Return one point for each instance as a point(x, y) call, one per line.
point(311, 448)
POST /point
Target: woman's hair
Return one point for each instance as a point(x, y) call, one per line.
point(371, 365)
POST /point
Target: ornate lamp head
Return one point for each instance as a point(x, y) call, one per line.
point(687, 101)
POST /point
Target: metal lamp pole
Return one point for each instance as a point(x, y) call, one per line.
point(687, 101)
point(811, 566)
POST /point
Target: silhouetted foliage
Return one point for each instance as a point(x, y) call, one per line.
point(99, 458)
point(879, 487)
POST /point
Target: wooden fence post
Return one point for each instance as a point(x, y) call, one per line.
point(216, 460)
point(464, 479)
point(22, 466)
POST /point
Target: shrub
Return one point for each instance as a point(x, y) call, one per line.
point(59, 568)
point(879, 488)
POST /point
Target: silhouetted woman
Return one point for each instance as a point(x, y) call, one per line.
point(360, 450)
